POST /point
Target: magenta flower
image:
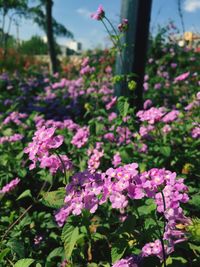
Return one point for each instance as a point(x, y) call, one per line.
point(99, 14)
point(182, 77)
point(10, 186)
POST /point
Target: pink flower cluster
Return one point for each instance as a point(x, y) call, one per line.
point(196, 132)
point(15, 117)
point(11, 139)
point(171, 116)
point(153, 249)
point(81, 137)
point(81, 193)
point(39, 150)
point(10, 186)
point(151, 115)
point(87, 191)
point(95, 155)
point(131, 261)
point(99, 14)
point(86, 69)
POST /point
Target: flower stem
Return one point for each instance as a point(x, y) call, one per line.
point(64, 169)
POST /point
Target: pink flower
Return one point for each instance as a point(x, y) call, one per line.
point(81, 137)
point(111, 103)
point(99, 14)
point(116, 160)
point(123, 26)
point(182, 77)
point(10, 186)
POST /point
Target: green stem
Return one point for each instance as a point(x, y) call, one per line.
point(115, 32)
point(63, 165)
point(164, 205)
point(162, 242)
point(113, 41)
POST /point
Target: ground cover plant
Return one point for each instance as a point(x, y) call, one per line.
point(86, 180)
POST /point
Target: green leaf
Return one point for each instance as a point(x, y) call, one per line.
point(24, 263)
point(3, 253)
point(118, 250)
point(26, 193)
point(194, 247)
point(54, 199)
point(17, 247)
point(57, 252)
point(165, 151)
point(70, 236)
point(123, 106)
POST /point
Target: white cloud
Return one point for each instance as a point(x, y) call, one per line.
point(84, 12)
point(191, 5)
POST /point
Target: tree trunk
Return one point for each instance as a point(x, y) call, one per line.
point(50, 38)
point(136, 39)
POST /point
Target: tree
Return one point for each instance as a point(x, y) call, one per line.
point(34, 46)
point(42, 15)
point(10, 9)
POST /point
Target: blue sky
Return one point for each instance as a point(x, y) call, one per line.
point(75, 15)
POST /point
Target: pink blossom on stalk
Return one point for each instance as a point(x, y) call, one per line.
point(99, 14)
point(10, 186)
point(182, 77)
point(123, 26)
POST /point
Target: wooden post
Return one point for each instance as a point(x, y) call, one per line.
point(138, 13)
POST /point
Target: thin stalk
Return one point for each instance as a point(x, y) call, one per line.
point(113, 41)
point(115, 32)
point(15, 222)
point(22, 215)
point(164, 205)
point(63, 165)
point(162, 242)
